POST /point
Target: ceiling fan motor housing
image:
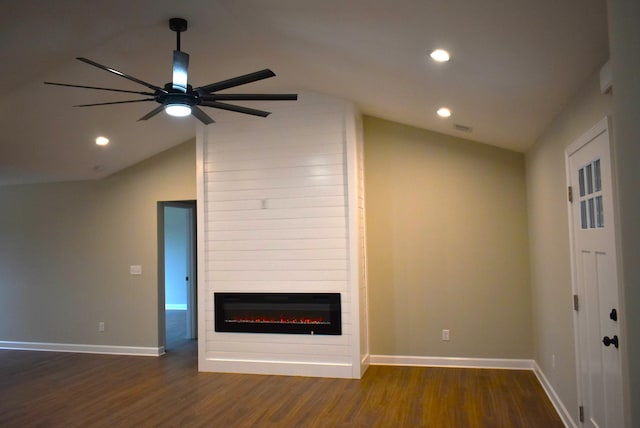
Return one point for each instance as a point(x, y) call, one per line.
point(174, 96)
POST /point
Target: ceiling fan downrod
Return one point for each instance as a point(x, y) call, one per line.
point(178, 25)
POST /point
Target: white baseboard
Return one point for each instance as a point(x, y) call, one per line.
point(478, 363)
point(175, 306)
point(86, 349)
point(555, 400)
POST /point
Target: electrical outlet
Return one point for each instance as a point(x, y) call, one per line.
point(101, 326)
point(445, 335)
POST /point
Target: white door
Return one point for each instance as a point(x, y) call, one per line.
point(595, 279)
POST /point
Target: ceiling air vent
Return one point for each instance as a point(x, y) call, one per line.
point(462, 128)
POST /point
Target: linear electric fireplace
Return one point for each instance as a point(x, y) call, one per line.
point(291, 313)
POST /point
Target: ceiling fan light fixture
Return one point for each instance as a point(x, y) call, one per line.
point(178, 110)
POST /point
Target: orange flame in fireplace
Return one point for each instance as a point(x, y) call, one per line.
point(282, 319)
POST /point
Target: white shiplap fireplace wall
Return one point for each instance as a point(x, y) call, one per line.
point(281, 209)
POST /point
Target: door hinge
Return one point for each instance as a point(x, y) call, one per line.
point(576, 305)
point(581, 409)
point(570, 193)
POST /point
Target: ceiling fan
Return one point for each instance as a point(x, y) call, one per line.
point(178, 98)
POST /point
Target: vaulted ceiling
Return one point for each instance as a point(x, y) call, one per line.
point(514, 65)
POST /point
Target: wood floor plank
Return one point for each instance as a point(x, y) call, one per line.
point(49, 389)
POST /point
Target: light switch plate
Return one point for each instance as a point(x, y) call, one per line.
point(135, 270)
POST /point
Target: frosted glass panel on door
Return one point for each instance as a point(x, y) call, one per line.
point(591, 203)
point(581, 181)
point(599, 212)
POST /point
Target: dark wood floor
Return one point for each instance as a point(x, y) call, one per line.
point(49, 389)
point(176, 330)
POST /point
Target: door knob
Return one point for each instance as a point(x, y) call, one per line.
point(610, 341)
point(614, 314)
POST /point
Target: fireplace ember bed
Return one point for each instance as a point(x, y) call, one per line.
point(288, 313)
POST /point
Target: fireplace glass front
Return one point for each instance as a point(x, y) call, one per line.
point(291, 313)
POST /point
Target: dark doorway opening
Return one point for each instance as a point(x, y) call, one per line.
point(177, 274)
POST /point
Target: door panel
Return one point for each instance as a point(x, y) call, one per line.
point(595, 278)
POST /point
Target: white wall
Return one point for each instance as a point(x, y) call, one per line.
point(276, 217)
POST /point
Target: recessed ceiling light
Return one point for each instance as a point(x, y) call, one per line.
point(440, 55)
point(444, 112)
point(102, 141)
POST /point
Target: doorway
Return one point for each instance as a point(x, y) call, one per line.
point(177, 291)
point(595, 278)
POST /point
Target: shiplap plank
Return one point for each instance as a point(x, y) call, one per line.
point(290, 192)
point(267, 173)
point(284, 275)
point(282, 162)
point(293, 133)
point(274, 203)
point(277, 234)
point(252, 204)
point(279, 286)
point(278, 244)
point(274, 356)
point(302, 202)
point(274, 224)
point(327, 146)
point(255, 265)
point(275, 183)
point(317, 212)
point(293, 349)
point(288, 140)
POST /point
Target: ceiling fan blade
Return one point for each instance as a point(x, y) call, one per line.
point(115, 102)
point(250, 97)
point(152, 113)
point(180, 70)
point(100, 88)
point(239, 109)
point(121, 74)
point(235, 81)
point(200, 115)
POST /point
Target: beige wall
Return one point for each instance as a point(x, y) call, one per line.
point(447, 245)
point(624, 36)
point(66, 249)
point(551, 288)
